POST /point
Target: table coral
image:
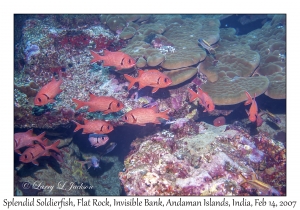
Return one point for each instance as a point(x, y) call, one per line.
point(234, 60)
point(227, 91)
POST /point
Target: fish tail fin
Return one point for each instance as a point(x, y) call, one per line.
point(193, 95)
point(164, 114)
point(249, 98)
point(54, 146)
point(78, 103)
point(96, 57)
point(131, 80)
point(78, 126)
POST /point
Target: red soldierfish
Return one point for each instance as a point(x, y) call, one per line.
point(38, 150)
point(141, 116)
point(105, 104)
point(94, 126)
point(204, 99)
point(26, 139)
point(49, 91)
point(119, 60)
point(252, 113)
point(98, 140)
point(152, 78)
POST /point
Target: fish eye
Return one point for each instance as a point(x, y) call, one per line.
point(25, 156)
point(118, 104)
point(40, 100)
point(166, 80)
point(126, 118)
point(129, 61)
point(108, 127)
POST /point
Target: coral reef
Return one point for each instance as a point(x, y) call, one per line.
point(206, 163)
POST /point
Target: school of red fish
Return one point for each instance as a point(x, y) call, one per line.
point(37, 146)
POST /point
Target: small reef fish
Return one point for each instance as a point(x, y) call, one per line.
point(204, 99)
point(26, 139)
point(253, 111)
point(105, 104)
point(141, 116)
point(92, 161)
point(272, 117)
point(207, 46)
point(152, 78)
point(260, 186)
point(94, 126)
point(49, 91)
point(32, 153)
point(110, 147)
point(98, 140)
point(119, 60)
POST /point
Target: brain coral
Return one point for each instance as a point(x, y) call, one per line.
point(228, 91)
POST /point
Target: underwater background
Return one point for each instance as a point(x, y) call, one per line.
point(196, 151)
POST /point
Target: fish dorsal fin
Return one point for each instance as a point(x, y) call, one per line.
point(140, 72)
point(92, 96)
point(45, 141)
point(154, 108)
point(85, 121)
point(200, 91)
point(106, 52)
point(30, 132)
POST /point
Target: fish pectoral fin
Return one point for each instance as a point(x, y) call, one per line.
point(106, 112)
point(51, 100)
point(157, 121)
point(118, 67)
point(18, 152)
point(141, 86)
point(35, 162)
point(247, 112)
point(155, 89)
